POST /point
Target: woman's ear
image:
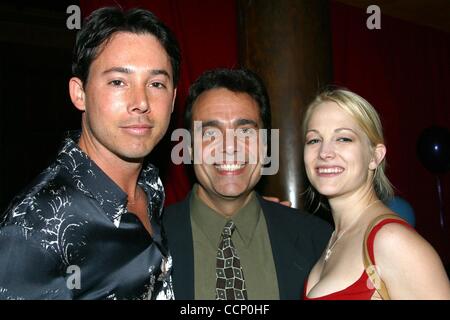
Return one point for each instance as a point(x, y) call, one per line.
point(77, 95)
point(379, 153)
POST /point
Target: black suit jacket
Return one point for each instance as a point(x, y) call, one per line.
point(297, 241)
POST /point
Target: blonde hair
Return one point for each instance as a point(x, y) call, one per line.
point(368, 120)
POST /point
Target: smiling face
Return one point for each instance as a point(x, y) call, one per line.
point(230, 167)
point(127, 100)
point(337, 155)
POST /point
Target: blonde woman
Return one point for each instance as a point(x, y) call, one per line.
point(344, 156)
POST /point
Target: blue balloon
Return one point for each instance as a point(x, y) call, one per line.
point(403, 209)
point(433, 149)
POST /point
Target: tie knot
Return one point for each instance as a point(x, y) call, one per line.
point(228, 229)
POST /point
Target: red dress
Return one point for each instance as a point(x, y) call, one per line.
point(361, 289)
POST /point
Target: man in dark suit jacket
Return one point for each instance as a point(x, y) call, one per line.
point(274, 246)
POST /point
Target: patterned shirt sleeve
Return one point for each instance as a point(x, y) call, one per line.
point(27, 271)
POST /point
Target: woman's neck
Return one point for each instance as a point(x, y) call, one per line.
point(347, 210)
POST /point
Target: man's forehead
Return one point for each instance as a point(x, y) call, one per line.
point(223, 105)
point(123, 48)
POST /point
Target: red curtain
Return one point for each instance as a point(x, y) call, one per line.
point(207, 33)
point(403, 70)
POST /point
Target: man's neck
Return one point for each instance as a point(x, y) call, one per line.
point(227, 207)
point(124, 174)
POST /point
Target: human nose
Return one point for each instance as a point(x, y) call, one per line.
point(230, 142)
point(326, 150)
point(140, 102)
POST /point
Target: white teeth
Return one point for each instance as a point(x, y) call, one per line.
point(330, 170)
point(229, 167)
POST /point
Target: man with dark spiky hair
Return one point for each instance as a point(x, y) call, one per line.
point(89, 226)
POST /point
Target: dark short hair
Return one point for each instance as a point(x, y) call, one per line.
point(236, 80)
point(104, 22)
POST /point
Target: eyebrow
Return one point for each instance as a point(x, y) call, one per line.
point(211, 123)
point(243, 122)
point(126, 70)
point(336, 130)
point(343, 129)
point(237, 123)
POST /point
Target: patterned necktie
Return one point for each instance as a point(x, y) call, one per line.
point(230, 284)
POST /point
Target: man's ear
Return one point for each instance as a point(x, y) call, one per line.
point(378, 155)
point(173, 100)
point(263, 144)
point(191, 154)
point(77, 95)
point(263, 152)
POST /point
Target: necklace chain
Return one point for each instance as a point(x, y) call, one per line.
point(329, 250)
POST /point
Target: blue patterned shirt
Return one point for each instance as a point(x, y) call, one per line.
point(70, 236)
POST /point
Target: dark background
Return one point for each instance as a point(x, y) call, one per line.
point(35, 109)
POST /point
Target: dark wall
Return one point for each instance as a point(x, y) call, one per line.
point(35, 109)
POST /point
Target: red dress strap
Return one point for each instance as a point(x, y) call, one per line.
point(368, 254)
point(377, 225)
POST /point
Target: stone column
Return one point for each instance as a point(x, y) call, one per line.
point(288, 43)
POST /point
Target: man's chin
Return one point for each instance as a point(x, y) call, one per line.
point(133, 157)
point(232, 194)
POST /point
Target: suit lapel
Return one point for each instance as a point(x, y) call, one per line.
point(290, 270)
point(181, 245)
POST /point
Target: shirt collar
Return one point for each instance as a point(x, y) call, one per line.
point(211, 222)
point(89, 179)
